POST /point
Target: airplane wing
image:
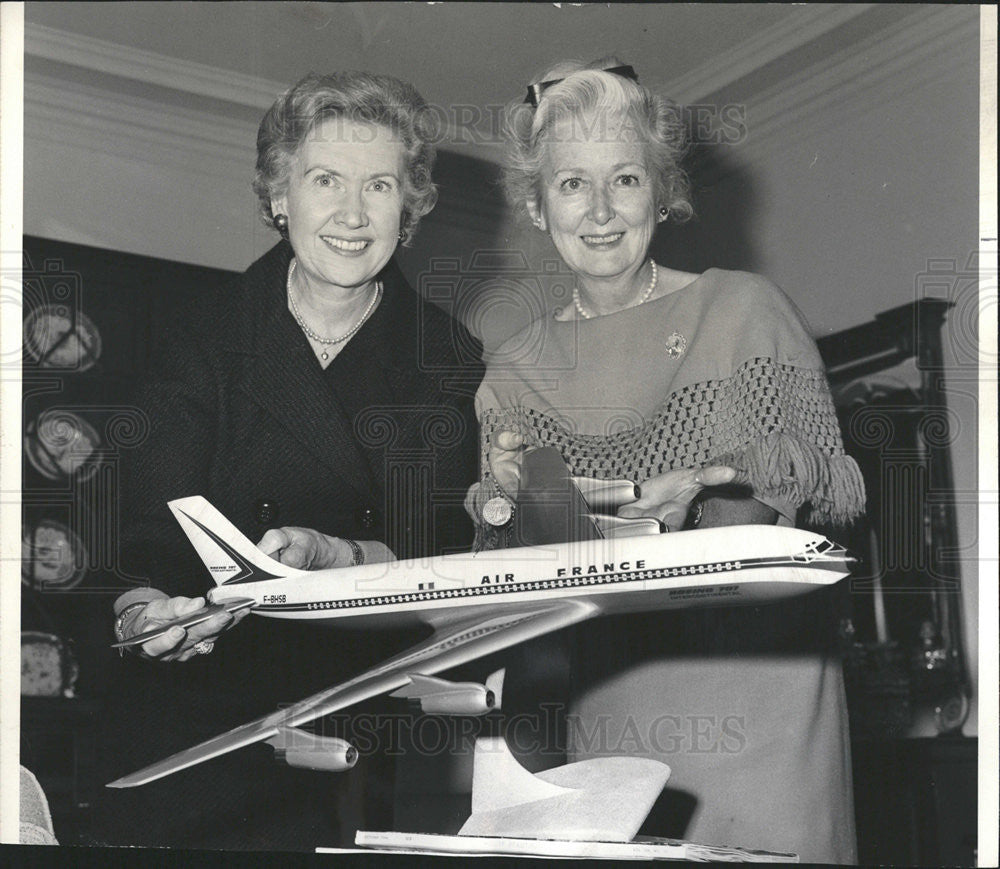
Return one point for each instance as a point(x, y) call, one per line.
point(449, 646)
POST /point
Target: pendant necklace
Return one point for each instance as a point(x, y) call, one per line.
point(315, 336)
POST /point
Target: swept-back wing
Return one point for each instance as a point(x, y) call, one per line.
point(449, 646)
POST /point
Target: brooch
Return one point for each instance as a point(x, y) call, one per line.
point(676, 344)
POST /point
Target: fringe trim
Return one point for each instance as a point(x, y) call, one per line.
point(783, 465)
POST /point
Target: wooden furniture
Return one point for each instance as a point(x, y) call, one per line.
point(59, 745)
point(915, 798)
point(916, 801)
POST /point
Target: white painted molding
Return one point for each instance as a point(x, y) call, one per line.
point(803, 25)
point(94, 119)
point(106, 121)
point(897, 57)
point(185, 76)
point(855, 67)
point(904, 55)
point(190, 77)
point(860, 77)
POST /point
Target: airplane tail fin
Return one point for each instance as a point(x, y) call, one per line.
point(229, 556)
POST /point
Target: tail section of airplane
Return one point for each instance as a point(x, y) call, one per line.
point(229, 556)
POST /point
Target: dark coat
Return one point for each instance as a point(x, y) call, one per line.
point(240, 411)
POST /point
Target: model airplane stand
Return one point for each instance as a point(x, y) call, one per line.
point(605, 799)
point(600, 800)
point(592, 808)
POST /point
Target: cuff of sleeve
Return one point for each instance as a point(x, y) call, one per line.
point(137, 595)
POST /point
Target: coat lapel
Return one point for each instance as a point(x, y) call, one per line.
point(281, 376)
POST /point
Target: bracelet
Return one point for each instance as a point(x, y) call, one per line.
point(123, 617)
point(357, 553)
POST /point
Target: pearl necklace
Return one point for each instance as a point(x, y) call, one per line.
point(645, 296)
point(319, 339)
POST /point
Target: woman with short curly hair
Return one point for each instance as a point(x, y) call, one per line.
point(271, 399)
point(356, 98)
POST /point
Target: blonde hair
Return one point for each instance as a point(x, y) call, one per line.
point(584, 91)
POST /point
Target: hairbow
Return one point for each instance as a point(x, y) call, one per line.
point(535, 91)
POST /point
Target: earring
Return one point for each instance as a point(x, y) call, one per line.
point(281, 224)
point(663, 212)
point(402, 235)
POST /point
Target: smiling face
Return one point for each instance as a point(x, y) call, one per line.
point(597, 199)
point(344, 203)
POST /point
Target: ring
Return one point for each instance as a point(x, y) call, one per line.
point(203, 648)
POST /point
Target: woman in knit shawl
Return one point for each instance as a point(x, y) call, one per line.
point(686, 384)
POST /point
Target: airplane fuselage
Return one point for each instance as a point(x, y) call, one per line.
point(638, 573)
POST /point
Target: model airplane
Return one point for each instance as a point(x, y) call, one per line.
point(480, 603)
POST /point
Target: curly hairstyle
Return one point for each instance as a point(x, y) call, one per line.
point(360, 97)
point(586, 90)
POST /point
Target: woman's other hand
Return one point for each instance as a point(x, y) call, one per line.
point(504, 459)
point(668, 496)
point(307, 549)
point(178, 644)
point(506, 449)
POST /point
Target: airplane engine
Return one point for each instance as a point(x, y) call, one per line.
point(441, 697)
point(476, 700)
point(305, 750)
